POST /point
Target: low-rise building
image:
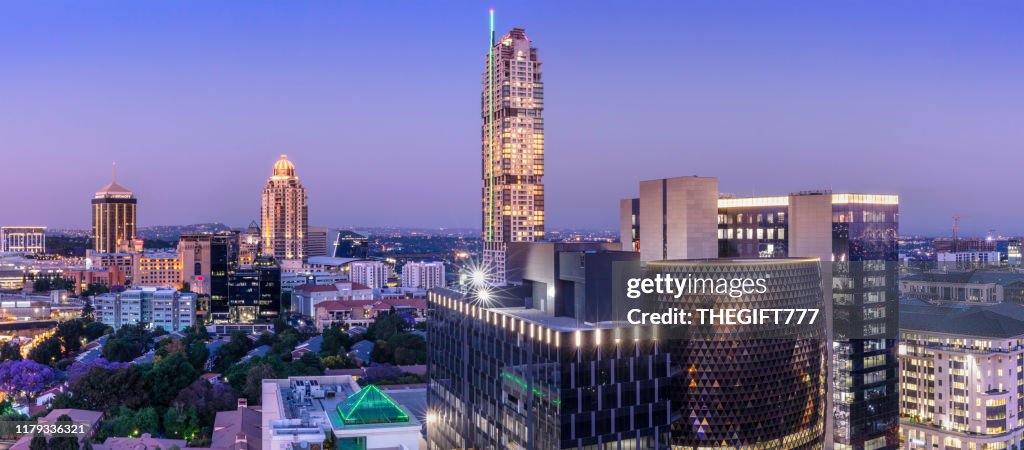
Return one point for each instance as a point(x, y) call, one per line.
point(151, 306)
point(978, 286)
point(158, 269)
point(966, 260)
point(961, 376)
point(23, 239)
point(299, 412)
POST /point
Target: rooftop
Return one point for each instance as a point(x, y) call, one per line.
point(969, 277)
point(1005, 320)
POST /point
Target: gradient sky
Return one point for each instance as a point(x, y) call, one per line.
point(377, 103)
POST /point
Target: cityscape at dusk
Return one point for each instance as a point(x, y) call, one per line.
point(685, 225)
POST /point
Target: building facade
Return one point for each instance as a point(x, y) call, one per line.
point(152, 307)
point(253, 294)
point(284, 214)
point(23, 239)
point(424, 275)
point(113, 219)
point(374, 274)
point(856, 232)
point(157, 269)
point(513, 146)
point(961, 382)
point(976, 286)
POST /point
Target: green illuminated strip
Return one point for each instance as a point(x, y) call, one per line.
point(522, 384)
point(490, 134)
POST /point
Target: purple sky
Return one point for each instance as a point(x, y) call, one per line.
point(377, 103)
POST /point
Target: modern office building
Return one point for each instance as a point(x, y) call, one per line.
point(113, 218)
point(544, 364)
point(961, 383)
point(374, 274)
point(512, 147)
point(157, 269)
point(349, 244)
point(856, 232)
point(154, 307)
point(423, 274)
point(205, 260)
point(967, 260)
point(319, 241)
point(123, 262)
point(23, 239)
point(284, 213)
point(253, 293)
point(300, 412)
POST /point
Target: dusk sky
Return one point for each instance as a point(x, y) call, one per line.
point(378, 105)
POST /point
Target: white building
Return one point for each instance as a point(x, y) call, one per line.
point(151, 306)
point(291, 280)
point(374, 274)
point(23, 239)
point(424, 275)
point(298, 412)
point(967, 260)
point(960, 373)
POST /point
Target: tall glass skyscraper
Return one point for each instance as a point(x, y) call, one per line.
point(512, 136)
point(284, 216)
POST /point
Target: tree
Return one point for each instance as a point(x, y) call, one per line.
point(95, 330)
point(47, 351)
point(87, 308)
point(335, 340)
point(169, 376)
point(128, 343)
point(10, 351)
point(66, 441)
point(102, 390)
point(25, 379)
point(339, 362)
point(38, 442)
point(254, 381)
point(385, 327)
point(80, 368)
point(94, 289)
point(308, 364)
point(228, 354)
point(198, 354)
point(408, 349)
point(381, 353)
point(206, 399)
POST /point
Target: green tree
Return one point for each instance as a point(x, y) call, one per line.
point(385, 327)
point(38, 442)
point(47, 351)
point(10, 351)
point(169, 376)
point(95, 330)
point(254, 381)
point(381, 353)
point(102, 390)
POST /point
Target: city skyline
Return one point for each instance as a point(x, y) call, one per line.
point(905, 92)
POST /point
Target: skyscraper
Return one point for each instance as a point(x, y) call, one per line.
point(113, 218)
point(512, 105)
point(284, 215)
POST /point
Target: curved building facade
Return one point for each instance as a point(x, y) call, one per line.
point(748, 386)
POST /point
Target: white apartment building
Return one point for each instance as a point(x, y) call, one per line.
point(373, 274)
point(151, 306)
point(961, 376)
point(424, 275)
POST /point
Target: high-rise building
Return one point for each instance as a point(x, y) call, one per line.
point(317, 240)
point(253, 293)
point(545, 364)
point(373, 274)
point(284, 213)
point(856, 232)
point(512, 105)
point(153, 307)
point(205, 259)
point(113, 218)
point(960, 376)
point(23, 239)
point(423, 274)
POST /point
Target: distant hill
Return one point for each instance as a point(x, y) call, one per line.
point(171, 232)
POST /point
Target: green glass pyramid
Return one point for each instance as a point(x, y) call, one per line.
point(371, 405)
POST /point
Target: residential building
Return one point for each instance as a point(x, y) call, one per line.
point(298, 412)
point(154, 307)
point(113, 218)
point(374, 274)
point(363, 312)
point(284, 214)
point(305, 297)
point(423, 274)
point(960, 376)
point(23, 239)
point(512, 146)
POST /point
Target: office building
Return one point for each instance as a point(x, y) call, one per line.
point(960, 376)
point(157, 269)
point(319, 241)
point(23, 239)
point(976, 287)
point(512, 147)
point(1013, 252)
point(154, 307)
point(856, 232)
point(423, 274)
point(283, 214)
point(123, 262)
point(374, 274)
point(250, 244)
point(205, 260)
point(349, 244)
point(961, 244)
point(113, 218)
point(545, 364)
point(253, 294)
point(298, 412)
